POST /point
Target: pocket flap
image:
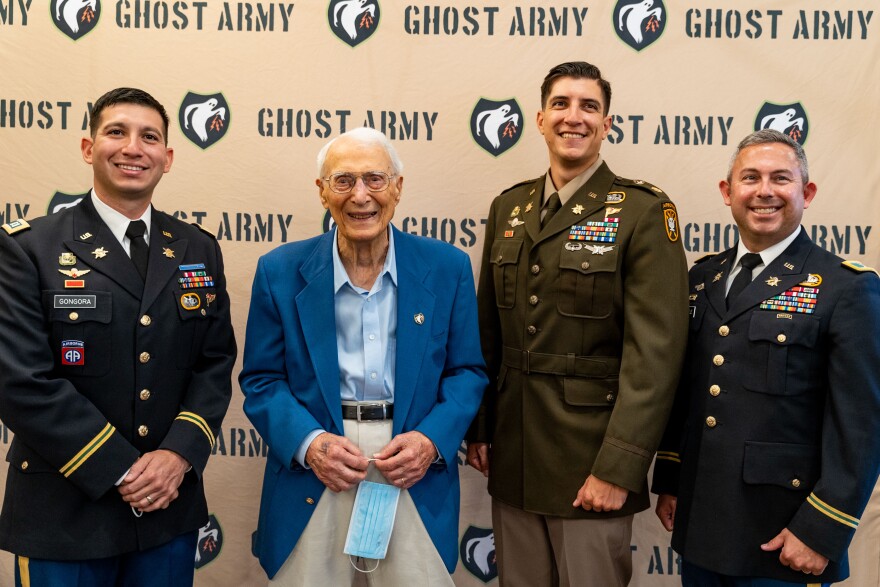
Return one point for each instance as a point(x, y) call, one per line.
point(793, 466)
point(505, 251)
point(579, 391)
point(585, 260)
point(81, 306)
point(784, 329)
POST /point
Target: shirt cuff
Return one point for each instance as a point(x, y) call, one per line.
point(300, 455)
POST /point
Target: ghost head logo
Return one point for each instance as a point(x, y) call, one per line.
point(789, 119)
point(61, 201)
point(496, 126)
point(204, 119)
point(353, 21)
point(209, 542)
point(75, 18)
point(477, 552)
point(639, 23)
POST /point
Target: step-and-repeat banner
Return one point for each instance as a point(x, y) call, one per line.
point(255, 88)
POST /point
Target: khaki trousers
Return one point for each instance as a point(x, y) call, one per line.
point(318, 560)
point(533, 550)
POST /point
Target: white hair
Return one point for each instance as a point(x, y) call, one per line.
point(366, 136)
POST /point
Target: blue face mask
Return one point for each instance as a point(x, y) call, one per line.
point(372, 519)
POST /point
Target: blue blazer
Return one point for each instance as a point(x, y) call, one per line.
point(291, 378)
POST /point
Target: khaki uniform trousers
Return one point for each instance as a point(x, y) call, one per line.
point(318, 560)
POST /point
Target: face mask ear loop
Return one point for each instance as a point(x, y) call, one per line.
point(351, 562)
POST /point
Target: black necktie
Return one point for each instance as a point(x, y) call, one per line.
point(135, 233)
point(749, 261)
point(553, 205)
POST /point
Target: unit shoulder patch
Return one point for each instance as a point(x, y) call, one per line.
point(205, 230)
point(704, 258)
point(639, 183)
point(516, 185)
point(16, 226)
point(856, 266)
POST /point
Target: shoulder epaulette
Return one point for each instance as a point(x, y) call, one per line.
point(639, 183)
point(516, 185)
point(205, 230)
point(856, 266)
point(704, 257)
point(16, 226)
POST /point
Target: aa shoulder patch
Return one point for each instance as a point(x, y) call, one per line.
point(849, 264)
point(704, 257)
point(16, 226)
point(670, 220)
point(639, 183)
point(205, 230)
point(516, 185)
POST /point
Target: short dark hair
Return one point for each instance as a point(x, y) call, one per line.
point(126, 96)
point(576, 70)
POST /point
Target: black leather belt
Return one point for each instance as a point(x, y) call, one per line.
point(568, 365)
point(367, 412)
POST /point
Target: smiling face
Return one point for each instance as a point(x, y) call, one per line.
point(574, 123)
point(766, 194)
point(127, 154)
point(361, 216)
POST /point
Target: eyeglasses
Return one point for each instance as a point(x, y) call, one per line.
point(374, 181)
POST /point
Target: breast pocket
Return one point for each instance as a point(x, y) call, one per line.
point(586, 283)
point(196, 308)
point(781, 358)
point(81, 333)
point(505, 263)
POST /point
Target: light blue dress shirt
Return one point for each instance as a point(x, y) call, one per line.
point(366, 335)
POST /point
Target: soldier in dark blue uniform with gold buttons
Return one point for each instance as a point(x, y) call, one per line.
point(773, 446)
point(116, 350)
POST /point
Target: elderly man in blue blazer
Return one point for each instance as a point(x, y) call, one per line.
point(362, 362)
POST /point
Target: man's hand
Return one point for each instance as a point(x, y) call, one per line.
point(405, 459)
point(666, 510)
point(337, 461)
point(478, 457)
point(600, 496)
point(151, 483)
point(796, 554)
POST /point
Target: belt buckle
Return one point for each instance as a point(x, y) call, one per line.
point(358, 409)
point(371, 406)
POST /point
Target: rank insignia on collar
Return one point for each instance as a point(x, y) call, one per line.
point(723, 261)
point(812, 280)
point(532, 192)
point(593, 195)
point(717, 277)
point(167, 234)
point(74, 273)
point(578, 209)
point(85, 235)
point(700, 287)
point(67, 259)
point(789, 266)
point(529, 207)
point(514, 212)
point(100, 253)
point(168, 252)
point(772, 281)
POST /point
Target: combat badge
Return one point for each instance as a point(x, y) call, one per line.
point(799, 299)
point(573, 246)
point(670, 221)
point(812, 280)
point(611, 211)
point(190, 301)
point(615, 197)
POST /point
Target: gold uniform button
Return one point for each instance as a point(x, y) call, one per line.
point(145, 394)
point(718, 360)
point(585, 265)
point(795, 483)
point(500, 257)
point(724, 330)
point(715, 390)
point(536, 269)
point(781, 338)
point(711, 422)
point(24, 465)
point(144, 357)
point(143, 430)
point(146, 320)
point(609, 398)
point(73, 316)
point(310, 501)
point(533, 300)
point(531, 330)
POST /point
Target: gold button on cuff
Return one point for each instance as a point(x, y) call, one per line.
point(795, 483)
point(145, 394)
point(144, 357)
point(146, 320)
point(536, 269)
point(143, 430)
point(715, 390)
point(718, 360)
point(24, 465)
point(531, 330)
point(724, 330)
point(533, 300)
point(73, 316)
point(781, 338)
point(310, 501)
point(711, 422)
